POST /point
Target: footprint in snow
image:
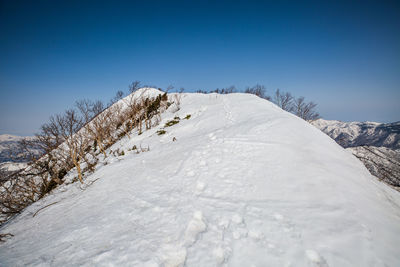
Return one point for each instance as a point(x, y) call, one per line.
point(256, 235)
point(197, 153)
point(278, 217)
point(200, 187)
point(219, 255)
point(315, 258)
point(173, 256)
point(224, 223)
point(222, 175)
point(237, 219)
point(190, 173)
point(212, 136)
point(194, 228)
point(240, 233)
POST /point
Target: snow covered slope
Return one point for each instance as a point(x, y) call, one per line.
point(243, 184)
point(352, 134)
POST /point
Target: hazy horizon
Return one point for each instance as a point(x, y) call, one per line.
point(342, 55)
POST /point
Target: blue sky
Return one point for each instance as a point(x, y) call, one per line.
point(343, 55)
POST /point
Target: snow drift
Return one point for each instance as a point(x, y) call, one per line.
point(239, 182)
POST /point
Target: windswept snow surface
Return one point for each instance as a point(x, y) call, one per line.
point(244, 184)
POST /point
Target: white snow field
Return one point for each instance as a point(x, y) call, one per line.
point(244, 184)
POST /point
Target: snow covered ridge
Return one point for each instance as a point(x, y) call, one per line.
point(352, 134)
point(233, 181)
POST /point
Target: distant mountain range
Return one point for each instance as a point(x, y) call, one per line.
point(9, 147)
point(377, 145)
point(353, 134)
point(11, 156)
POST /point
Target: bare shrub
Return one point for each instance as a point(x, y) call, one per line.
point(161, 132)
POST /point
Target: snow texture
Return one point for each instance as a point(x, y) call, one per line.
point(244, 184)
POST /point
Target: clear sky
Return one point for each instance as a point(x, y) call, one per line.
point(343, 55)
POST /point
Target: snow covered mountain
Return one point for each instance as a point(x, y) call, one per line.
point(352, 134)
point(234, 181)
point(10, 157)
point(8, 144)
point(377, 145)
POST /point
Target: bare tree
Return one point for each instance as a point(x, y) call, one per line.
point(15, 194)
point(309, 113)
point(118, 96)
point(231, 89)
point(228, 90)
point(49, 166)
point(85, 107)
point(39, 177)
point(305, 110)
point(283, 100)
point(66, 142)
point(258, 90)
point(298, 106)
point(76, 143)
point(96, 122)
point(134, 86)
point(97, 107)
